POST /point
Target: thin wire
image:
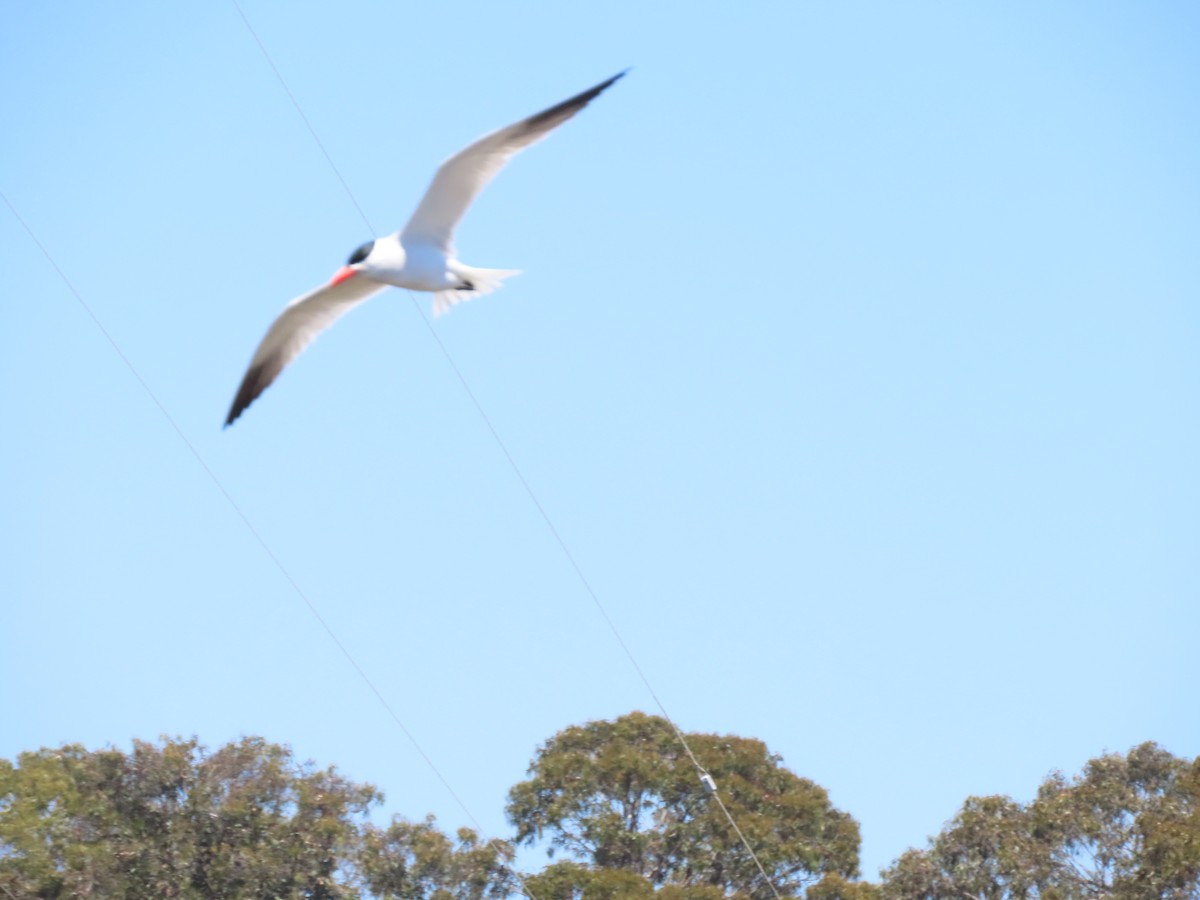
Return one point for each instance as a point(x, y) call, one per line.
point(466, 387)
point(592, 593)
point(304, 118)
point(241, 515)
point(705, 777)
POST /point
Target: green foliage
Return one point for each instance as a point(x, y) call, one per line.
point(619, 799)
point(576, 881)
point(1128, 828)
point(835, 887)
point(247, 821)
point(170, 821)
point(622, 795)
point(416, 860)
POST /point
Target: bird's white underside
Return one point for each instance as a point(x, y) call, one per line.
point(420, 257)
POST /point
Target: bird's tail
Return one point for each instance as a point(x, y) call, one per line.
point(481, 281)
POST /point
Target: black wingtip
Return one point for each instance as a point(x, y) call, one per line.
point(560, 112)
point(605, 85)
point(237, 408)
point(257, 379)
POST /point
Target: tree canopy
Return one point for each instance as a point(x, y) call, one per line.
point(247, 821)
point(623, 795)
point(619, 804)
point(1127, 828)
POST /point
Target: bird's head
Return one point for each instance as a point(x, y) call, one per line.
point(355, 264)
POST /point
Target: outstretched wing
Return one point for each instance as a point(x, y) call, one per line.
point(464, 175)
point(297, 327)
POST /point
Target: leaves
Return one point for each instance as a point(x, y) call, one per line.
point(1127, 828)
point(620, 800)
point(174, 821)
point(413, 860)
point(623, 795)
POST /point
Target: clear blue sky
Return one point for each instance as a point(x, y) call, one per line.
point(855, 358)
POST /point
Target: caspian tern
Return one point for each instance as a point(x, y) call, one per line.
point(420, 257)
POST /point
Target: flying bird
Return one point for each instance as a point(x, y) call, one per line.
point(420, 257)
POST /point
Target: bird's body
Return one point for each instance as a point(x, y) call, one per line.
point(421, 257)
point(419, 267)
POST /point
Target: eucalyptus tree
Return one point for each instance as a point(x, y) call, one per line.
point(624, 796)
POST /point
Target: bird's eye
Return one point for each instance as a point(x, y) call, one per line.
point(361, 253)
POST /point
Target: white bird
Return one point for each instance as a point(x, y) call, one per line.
point(421, 257)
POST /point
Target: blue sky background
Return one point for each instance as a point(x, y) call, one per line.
point(855, 359)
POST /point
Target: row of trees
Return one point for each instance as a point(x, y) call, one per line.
point(615, 803)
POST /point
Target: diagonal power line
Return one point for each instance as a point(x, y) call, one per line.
point(705, 778)
point(259, 539)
